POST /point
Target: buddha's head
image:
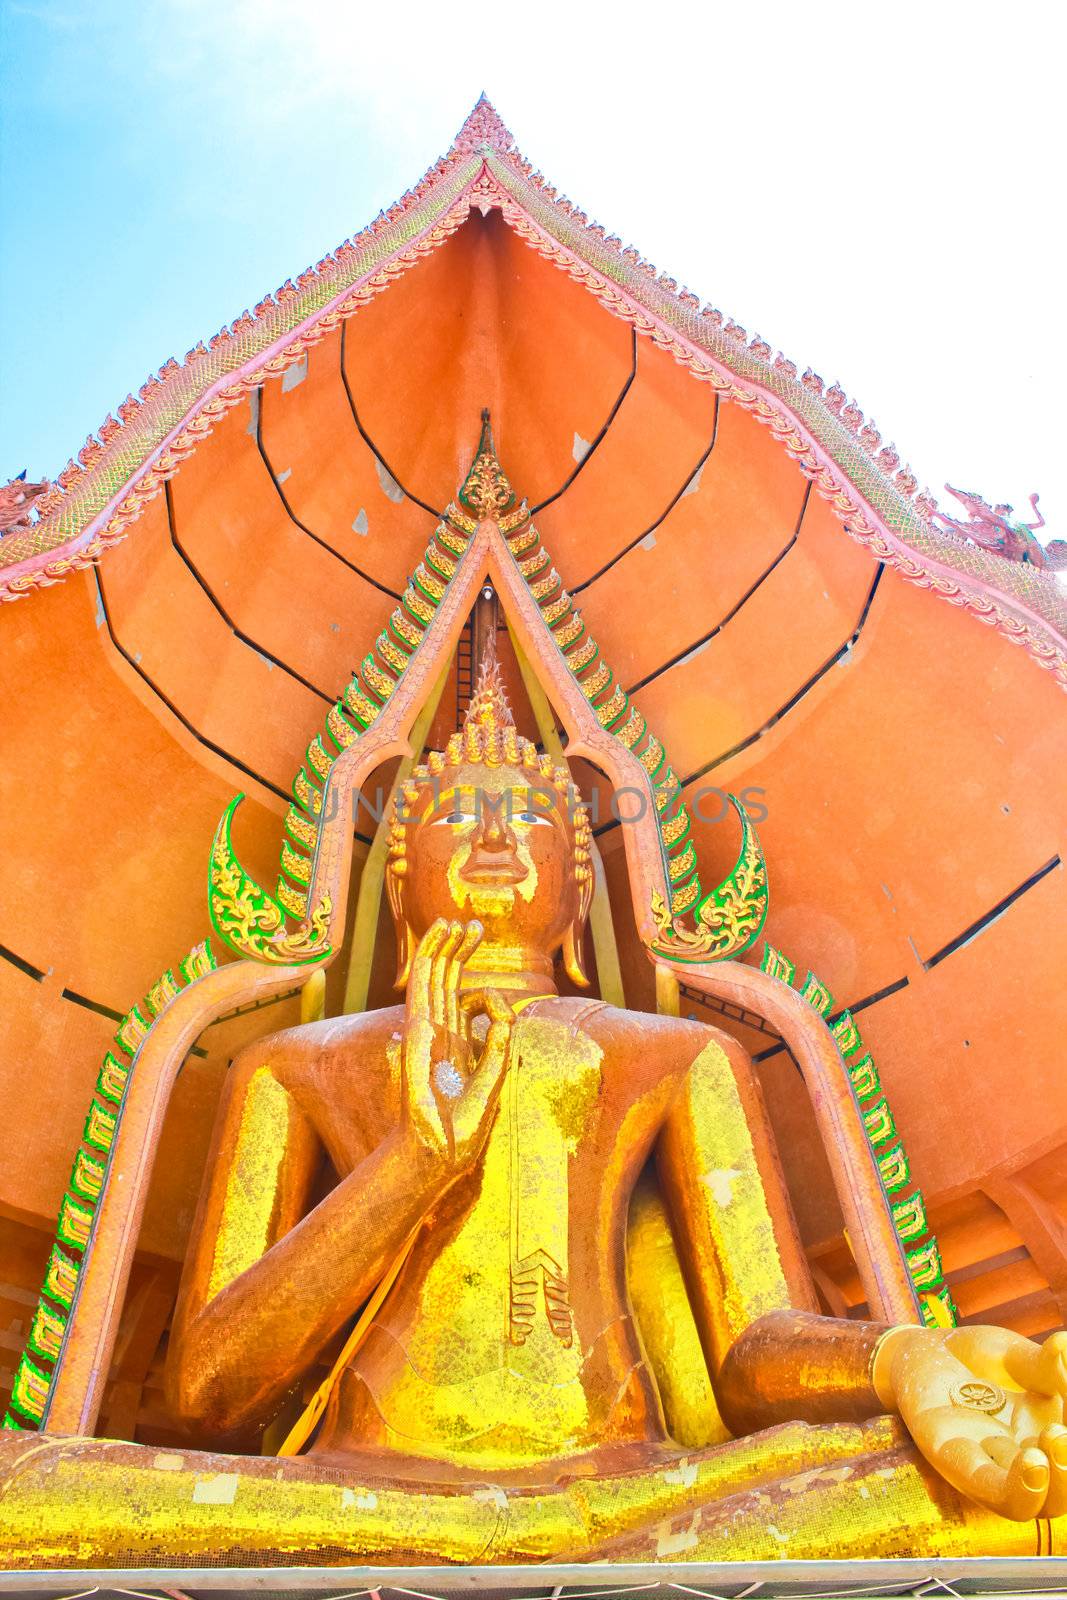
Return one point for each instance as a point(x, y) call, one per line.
point(491, 829)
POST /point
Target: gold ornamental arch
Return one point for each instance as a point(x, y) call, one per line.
point(485, 534)
point(281, 938)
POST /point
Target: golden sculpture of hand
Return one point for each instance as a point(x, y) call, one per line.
point(986, 1408)
point(449, 1098)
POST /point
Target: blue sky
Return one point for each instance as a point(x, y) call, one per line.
point(879, 193)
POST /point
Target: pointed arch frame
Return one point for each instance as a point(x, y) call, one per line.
point(82, 1365)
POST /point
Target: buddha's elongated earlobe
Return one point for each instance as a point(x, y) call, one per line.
point(404, 946)
point(394, 878)
point(574, 938)
point(574, 954)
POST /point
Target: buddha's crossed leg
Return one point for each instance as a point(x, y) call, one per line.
point(792, 1492)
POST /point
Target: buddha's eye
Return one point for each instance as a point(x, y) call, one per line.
point(531, 819)
point(454, 819)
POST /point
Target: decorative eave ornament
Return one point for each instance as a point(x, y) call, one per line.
point(486, 491)
point(730, 919)
point(251, 921)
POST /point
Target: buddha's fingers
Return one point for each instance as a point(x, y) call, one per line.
point(1014, 1486)
point(417, 1049)
point(418, 995)
point(1028, 1484)
point(1005, 1357)
point(1039, 1367)
point(456, 1020)
point(1053, 1442)
point(442, 962)
point(1001, 1448)
point(483, 1087)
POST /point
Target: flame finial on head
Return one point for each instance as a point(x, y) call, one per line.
point(489, 706)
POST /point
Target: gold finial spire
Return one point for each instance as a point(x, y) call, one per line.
point(486, 490)
point(489, 706)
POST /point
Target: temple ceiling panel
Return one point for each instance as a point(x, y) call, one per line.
point(798, 618)
point(946, 1037)
point(688, 569)
point(333, 483)
point(484, 322)
point(178, 624)
point(956, 784)
point(296, 596)
point(650, 451)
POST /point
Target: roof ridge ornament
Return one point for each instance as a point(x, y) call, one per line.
point(997, 529)
point(483, 130)
point(486, 490)
point(17, 509)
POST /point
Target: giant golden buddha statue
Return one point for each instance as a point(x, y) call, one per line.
point(497, 1398)
point(523, 1268)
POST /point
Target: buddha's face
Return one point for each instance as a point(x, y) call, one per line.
point(494, 845)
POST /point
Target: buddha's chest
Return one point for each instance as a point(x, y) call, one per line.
point(499, 1260)
point(508, 1328)
point(542, 1159)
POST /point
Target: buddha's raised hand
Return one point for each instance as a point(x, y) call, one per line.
point(986, 1408)
point(450, 1097)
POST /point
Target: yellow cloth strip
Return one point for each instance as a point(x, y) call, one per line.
point(305, 1424)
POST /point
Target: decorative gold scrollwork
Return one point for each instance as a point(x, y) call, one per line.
point(729, 919)
point(250, 920)
point(486, 490)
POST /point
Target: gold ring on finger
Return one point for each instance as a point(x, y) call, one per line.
point(448, 1079)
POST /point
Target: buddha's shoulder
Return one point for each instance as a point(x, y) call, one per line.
point(681, 1038)
point(295, 1053)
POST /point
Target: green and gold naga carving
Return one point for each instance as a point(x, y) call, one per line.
point(251, 921)
point(923, 1256)
point(32, 1382)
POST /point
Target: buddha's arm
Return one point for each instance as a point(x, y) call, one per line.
point(985, 1406)
point(266, 1286)
point(772, 1358)
point(793, 1365)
